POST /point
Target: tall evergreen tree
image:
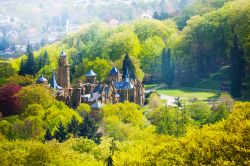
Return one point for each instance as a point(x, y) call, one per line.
point(48, 135)
point(128, 64)
point(46, 60)
point(88, 128)
point(22, 70)
point(237, 67)
point(61, 133)
point(40, 63)
point(30, 65)
point(167, 68)
point(73, 127)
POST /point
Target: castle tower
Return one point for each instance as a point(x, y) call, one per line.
point(114, 75)
point(91, 77)
point(63, 71)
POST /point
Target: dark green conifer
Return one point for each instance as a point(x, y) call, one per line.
point(48, 135)
point(167, 68)
point(22, 67)
point(61, 133)
point(88, 128)
point(73, 127)
point(128, 64)
point(237, 68)
point(30, 65)
point(46, 60)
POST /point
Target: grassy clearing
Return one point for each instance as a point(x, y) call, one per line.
point(150, 86)
point(189, 93)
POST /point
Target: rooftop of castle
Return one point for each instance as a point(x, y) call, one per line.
point(113, 71)
point(63, 53)
point(91, 73)
point(41, 80)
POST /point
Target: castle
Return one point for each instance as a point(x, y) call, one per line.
point(93, 92)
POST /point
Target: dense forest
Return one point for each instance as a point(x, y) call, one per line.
point(204, 45)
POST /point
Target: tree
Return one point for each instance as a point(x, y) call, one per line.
point(218, 114)
point(128, 65)
point(6, 69)
point(9, 102)
point(30, 65)
point(237, 67)
point(46, 59)
point(73, 127)
point(200, 112)
point(22, 70)
point(150, 56)
point(83, 110)
point(35, 94)
point(40, 64)
point(61, 133)
point(88, 128)
point(167, 68)
point(123, 42)
point(48, 135)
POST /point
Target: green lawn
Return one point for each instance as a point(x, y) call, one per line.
point(188, 93)
point(150, 86)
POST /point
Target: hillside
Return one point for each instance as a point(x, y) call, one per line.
point(181, 96)
point(198, 51)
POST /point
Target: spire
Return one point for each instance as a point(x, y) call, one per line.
point(127, 75)
point(63, 54)
point(53, 83)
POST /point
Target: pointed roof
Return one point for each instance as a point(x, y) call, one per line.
point(53, 83)
point(41, 80)
point(63, 53)
point(113, 71)
point(91, 73)
point(127, 75)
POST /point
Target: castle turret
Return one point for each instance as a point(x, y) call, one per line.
point(91, 77)
point(114, 75)
point(63, 71)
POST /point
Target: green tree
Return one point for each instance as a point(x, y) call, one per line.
point(88, 128)
point(167, 68)
point(61, 133)
point(73, 126)
point(200, 112)
point(30, 65)
point(128, 65)
point(22, 69)
point(218, 114)
point(46, 59)
point(48, 135)
point(35, 94)
point(123, 42)
point(83, 110)
point(237, 68)
point(150, 56)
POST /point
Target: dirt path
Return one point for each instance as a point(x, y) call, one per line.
point(170, 100)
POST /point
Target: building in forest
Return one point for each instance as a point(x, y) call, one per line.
point(94, 92)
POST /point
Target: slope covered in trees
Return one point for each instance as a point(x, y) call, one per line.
point(212, 48)
point(199, 51)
